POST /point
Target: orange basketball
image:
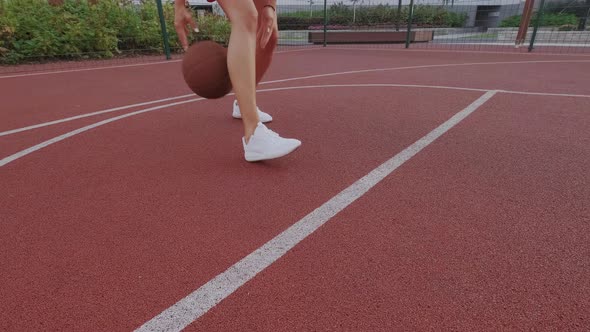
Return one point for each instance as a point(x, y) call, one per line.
point(204, 68)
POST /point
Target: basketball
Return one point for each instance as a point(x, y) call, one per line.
point(204, 67)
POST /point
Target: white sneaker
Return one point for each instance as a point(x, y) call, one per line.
point(266, 144)
point(264, 117)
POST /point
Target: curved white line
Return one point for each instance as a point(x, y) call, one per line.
point(39, 146)
point(54, 140)
point(426, 66)
point(45, 124)
point(100, 123)
point(14, 131)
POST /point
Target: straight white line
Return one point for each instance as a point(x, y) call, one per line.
point(300, 50)
point(566, 45)
point(423, 87)
point(196, 304)
point(119, 66)
point(426, 66)
point(544, 94)
point(89, 69)
point(426, 50)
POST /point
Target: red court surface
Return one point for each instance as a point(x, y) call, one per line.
point(111, 219)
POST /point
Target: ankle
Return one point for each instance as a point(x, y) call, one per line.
point(249, 128)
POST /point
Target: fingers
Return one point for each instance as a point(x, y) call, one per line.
point(181, 32)
point(193, 25)
point(265, 37)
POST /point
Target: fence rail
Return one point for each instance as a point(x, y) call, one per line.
point(54, 31)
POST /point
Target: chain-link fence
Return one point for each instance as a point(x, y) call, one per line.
point(560, 26)
point(56, 32)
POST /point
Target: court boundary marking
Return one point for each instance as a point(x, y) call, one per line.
point(40, 73)
point(307, 48)
point(119, 108)
point(22, 153)
point(196, 304)
point(424, 50)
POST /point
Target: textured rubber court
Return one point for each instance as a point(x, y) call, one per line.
point(434, 190)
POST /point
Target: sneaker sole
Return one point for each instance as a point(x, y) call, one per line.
point(251, 157)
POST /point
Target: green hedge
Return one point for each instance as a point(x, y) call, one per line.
point(549, 20)
point(34, 30)
point(214, 27)
point(380, 15)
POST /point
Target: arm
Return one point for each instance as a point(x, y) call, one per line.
point(272, 3)
point(183, 19)
point(267, 40)
point(267, 20)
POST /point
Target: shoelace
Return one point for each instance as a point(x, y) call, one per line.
point(272, 133)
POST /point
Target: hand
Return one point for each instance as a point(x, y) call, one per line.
point(182, 20)
point(268, 25)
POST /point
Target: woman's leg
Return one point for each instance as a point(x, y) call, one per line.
point(260, 143)
point(241, 58)
point(264, 57)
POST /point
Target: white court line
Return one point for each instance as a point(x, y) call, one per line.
point(544, 94)
point(13, 131)
point(196, 304)
point(118, 66)
point(566, 45)
point(39, 146)
point(45, 124)
point(44, 144)
point(425, 50)
point(89, 69)
point(428, 66)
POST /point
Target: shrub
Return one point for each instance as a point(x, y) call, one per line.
point(36, 30)
point(214, 27)
point(554, 20)
point(455, 20)
point(511, 22)
point(549, 20)
point(340, 14)
point(568, 27)
point(297, 23)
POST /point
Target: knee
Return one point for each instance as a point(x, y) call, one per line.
point(246, 21)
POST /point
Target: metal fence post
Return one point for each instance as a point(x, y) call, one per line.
point(410, 16)
point(398, 15)
point(164, 31)
point(325, 22)
point(537, 24)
